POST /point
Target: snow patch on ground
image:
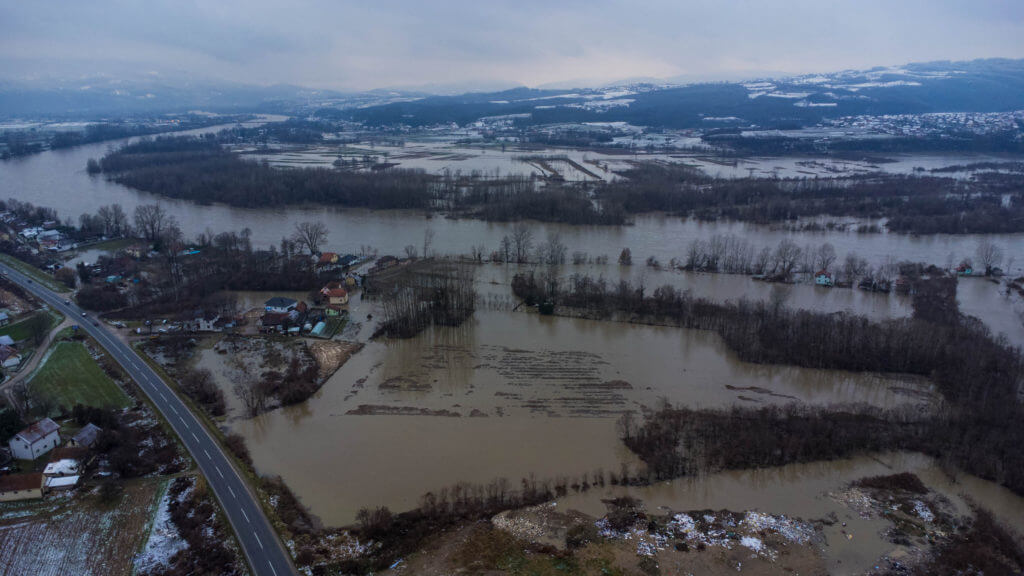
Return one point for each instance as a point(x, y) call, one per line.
point(922, 511)
point(753, 543)
point(164, 541)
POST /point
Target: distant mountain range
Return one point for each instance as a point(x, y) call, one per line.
point(994, 85)
point(89, 98)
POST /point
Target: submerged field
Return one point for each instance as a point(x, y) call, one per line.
point(508, 395)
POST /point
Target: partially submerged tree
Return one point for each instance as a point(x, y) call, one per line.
point(310, 235)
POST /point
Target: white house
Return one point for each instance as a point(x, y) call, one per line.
point(36, 440)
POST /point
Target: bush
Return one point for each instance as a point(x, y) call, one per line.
point(905, 481)
point(236, 445)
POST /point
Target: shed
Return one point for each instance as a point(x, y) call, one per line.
point(21, 487)
point(86, 437)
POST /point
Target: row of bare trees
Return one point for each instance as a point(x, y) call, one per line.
point(440, 293)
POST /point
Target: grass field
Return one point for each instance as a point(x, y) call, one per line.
point(70, 376)
point(20, 330)
point(79, 535)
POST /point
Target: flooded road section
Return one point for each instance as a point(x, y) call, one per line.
point(811, 492)
point(507, 395)
point(58, 179)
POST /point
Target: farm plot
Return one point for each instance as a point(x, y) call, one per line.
point(77, 535)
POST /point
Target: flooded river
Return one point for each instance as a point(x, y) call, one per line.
point(58, 179)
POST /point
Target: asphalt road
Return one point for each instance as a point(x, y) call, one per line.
point(262, 548)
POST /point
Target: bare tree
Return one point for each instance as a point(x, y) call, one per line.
point(989, 255)
point(410, 251)
point(763, 260)
point(428, 240)
point(477, 252)
point(785, 257)
point(854, 267)
point(506, 248)
point(556, 250)
point(310, 235)
point(825, 256)
point(522, 241)
point(118, 221)
point(150, 220)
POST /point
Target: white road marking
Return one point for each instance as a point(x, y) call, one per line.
point(195, 437)
point(207, 454)
point(162, 397)
point(175, 410)
point(258, 541)
point(232, 490)
point(246, 516)
point(219, 472)
point(274, 570)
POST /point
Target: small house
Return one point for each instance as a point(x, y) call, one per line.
point(206, 322)
point(328, 260)
point(273, 321)
point(6, 340)
point(36, 440)
point(279, 305)
point(9, 357)
point(334, 295)
point(85, 437)
point(348, 260)
point(4, 319)
point(823, 278)
point(964, 270)
point(21, 487)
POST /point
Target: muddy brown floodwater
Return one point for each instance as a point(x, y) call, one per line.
point(533, 395)
point(805, 491)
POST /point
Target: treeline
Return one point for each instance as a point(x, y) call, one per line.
point(979, 377)
point(1005, 142)
point(440, 295)
point(914, 204)
point(199, 169)
point(22, 143)
point(680, 441)
point(291, 131)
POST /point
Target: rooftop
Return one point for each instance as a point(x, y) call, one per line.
point(39, 430)
point(87, 435)
point(279, 302)
point(62, 482)
point(64, 467)
point(13, 482)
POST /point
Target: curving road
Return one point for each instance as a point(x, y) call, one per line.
point(262, 548)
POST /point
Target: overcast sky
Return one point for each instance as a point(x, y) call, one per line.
point(485, 43)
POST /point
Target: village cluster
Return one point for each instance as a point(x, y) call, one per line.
point(66, 465)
